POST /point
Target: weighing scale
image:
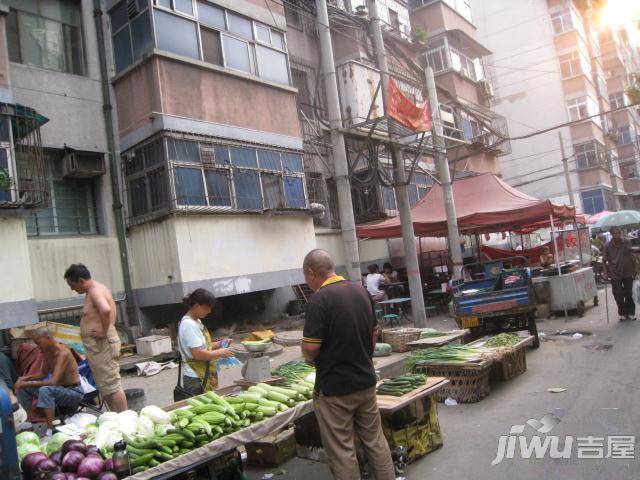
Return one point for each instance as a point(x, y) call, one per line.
point(257, 368)
point(9, 469)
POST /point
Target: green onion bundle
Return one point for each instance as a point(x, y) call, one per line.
point(445, 354)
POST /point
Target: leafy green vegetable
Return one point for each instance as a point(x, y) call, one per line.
point(445, 354)
point(27, 437)
point(502, 340)
point(55, 442)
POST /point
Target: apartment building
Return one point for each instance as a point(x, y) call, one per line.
point(56, 207)
point(547, 69)
point(465, 93)
point(621, 59)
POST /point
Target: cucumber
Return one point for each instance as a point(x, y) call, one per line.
point(139, 452)
point(267, 411)
point(250, 397)
point(213, 407)
point(163, 456)
point(142, 460)
point(153, 463)
point(258, 390)
point(139, 469)
point(194, 402)
point(278, 397)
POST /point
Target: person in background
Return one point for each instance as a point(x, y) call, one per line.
point(374, 279)
point(546, 257)
point(99, 335)
point(339, 337)
point(390, 274)
point(619, 266)
point(58, 384)
point(197, 350)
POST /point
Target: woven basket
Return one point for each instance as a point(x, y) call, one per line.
point(468, 383)
point(399, 337)
point(509, 363)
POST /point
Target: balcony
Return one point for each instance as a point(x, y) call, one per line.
point(442, 15)
point(23, 182)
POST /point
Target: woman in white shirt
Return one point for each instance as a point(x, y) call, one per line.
point(374, 279)
point(197, 350)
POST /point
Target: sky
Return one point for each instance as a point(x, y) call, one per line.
point(618, 13)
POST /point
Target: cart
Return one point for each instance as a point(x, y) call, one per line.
point(502, 301)
point(571, 291)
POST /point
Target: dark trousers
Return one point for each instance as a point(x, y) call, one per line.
point(624, 297)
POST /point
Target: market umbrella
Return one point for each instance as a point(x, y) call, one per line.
point(623, 218)
point(593, 219)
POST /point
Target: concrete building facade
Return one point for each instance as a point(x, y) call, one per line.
point(548, 69)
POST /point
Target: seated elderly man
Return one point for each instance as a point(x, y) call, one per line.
point(58, 384)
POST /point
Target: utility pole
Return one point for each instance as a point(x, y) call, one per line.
point(402, 194)
point(565, 165)
point(442, 164)
point(341, 167)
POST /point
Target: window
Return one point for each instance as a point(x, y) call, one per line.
point(130, 32)
point(593, 201)
point(292, 14)
point(232, 177)
point(47, 34)
point(574, 63)
point(617, 100)
point(226, 38)
point(211, 15)
point(463, 7)
point(394, 20)
point(418, 188)
point(72, 206)
point(438, 59)
point(587, 154)
point(146, 179)
point(176, 34)
point(236, 53)
point(626, 135)
point(581, 107)
point(211, 46)
point(562, 21)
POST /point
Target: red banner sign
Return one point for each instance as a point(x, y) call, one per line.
point(405, 112)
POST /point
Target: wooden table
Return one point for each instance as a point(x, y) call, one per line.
point(390, 404)
point(438, 341)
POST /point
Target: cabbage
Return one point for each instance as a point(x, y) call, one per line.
point(108, 435)
point(127, 421)
point(145, 426)
point(55, 442)
point(27, 448)
point(108, 417)
point(27, 437)
point(81, 419)
point(156, 414)
point(161, 429)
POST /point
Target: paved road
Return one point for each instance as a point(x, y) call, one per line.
point(602, 398)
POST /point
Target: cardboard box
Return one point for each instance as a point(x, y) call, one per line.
point(272, 450)
point(153, 345)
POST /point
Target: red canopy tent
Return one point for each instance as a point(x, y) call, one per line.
point(484, 204)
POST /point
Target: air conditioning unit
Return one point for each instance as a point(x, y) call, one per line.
point(486, 89)
point(77, 164)
point(132, 9)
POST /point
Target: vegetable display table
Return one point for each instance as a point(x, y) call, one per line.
point(205, 454)
point(452, 337)
point(410, 422)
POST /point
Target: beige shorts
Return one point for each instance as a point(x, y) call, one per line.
point(103, 357)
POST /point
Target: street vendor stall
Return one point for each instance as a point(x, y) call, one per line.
point(572, 282)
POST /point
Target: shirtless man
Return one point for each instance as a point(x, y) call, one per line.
point(62, 388)
point(99, 336)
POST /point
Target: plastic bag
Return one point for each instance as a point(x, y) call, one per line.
point(228, 361)
point(636, 291)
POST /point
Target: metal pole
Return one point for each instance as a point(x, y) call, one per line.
point(402, 194)
point(444, 175)
point(567, 176)
point(107, 112)
point(341, 174)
